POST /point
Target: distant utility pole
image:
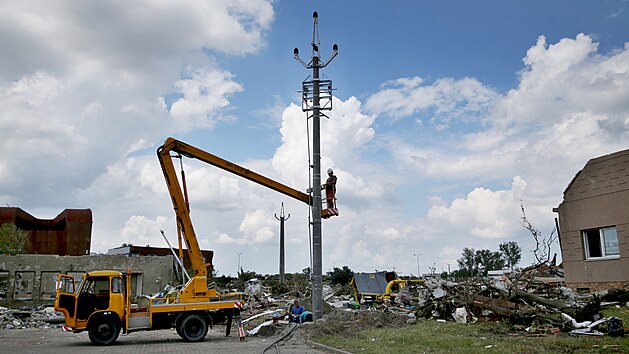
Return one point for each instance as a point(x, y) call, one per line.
point(313, 100)
point(282, 219)
point(238, 270)
point(419, 273)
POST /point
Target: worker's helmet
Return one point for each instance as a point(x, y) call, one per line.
point(330, 171)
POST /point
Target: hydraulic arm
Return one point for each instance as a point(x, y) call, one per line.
point(195, 287)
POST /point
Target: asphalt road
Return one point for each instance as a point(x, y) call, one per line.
point(53, 340)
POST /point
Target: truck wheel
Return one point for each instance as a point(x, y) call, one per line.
point(104, 331)
point(192, 328)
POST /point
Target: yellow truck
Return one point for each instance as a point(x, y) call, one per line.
point(101, 303)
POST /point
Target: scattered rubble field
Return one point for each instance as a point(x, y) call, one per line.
point(529, 310)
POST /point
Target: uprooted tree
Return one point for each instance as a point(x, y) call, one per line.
point(543, 244)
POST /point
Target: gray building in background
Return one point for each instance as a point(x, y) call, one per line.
point(29, 280)
point(594, 225)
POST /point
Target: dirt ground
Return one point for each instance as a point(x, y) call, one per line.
point(346, 323)
point(342, 323)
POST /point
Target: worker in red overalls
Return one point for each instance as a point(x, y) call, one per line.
point(330, 189)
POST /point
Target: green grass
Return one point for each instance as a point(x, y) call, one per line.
point(427, 336)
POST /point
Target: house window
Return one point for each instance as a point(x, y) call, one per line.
point(600, 243)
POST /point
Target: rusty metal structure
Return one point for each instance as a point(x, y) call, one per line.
point(68, 234)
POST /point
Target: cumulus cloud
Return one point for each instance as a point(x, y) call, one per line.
point(483, 213)
point(83, 85)
point(256, 226)
point(344, 136)
point(140, 230)
point(568, 107)
point(72, 39)
point(225, 239)
point(564, 78)
point(474, 163)
point(446, 99)
point(204, 91)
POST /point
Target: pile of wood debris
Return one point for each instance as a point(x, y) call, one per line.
point(534, 299)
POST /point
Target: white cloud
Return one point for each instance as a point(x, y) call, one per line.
point(361, 250)
point(564, 78)
point(488, 162)
point(225, 239)
point(483, 213)
point(140, 230)
point(125, 39)
point(256, 226)
point(204, 92)
point(391, 233)
point(82, 85)
point(569, 106)
point(442, 101)
point(344, 136)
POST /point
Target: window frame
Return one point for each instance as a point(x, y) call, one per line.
point(601, 240)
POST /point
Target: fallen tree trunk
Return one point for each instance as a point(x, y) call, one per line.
point(540, 300)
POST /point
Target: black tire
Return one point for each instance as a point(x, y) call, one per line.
point(104, 331)
point(178, 328)
point(192, 328)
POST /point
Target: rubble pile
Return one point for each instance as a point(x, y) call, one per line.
point(534, 299)
point(41, 317)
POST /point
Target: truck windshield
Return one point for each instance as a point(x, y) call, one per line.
point(95, 285)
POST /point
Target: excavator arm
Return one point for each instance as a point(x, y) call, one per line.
point(182, 209)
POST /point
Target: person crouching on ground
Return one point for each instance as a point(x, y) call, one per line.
point(295, 311)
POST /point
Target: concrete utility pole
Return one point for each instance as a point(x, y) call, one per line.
point(238, 270)
point(419, 273)
point(315, 101)
point(282, 219)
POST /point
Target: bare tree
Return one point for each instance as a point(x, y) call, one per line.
point(543, 244)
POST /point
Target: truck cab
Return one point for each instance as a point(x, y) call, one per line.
point(97, 304)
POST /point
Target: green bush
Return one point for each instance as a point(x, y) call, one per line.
point(12, 239)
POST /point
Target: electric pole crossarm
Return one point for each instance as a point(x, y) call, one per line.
point(335, 52)
point(296, 56)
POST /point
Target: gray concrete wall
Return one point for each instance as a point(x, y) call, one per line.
point(28, 279)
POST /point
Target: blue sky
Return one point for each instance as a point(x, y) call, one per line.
point(446, 116)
